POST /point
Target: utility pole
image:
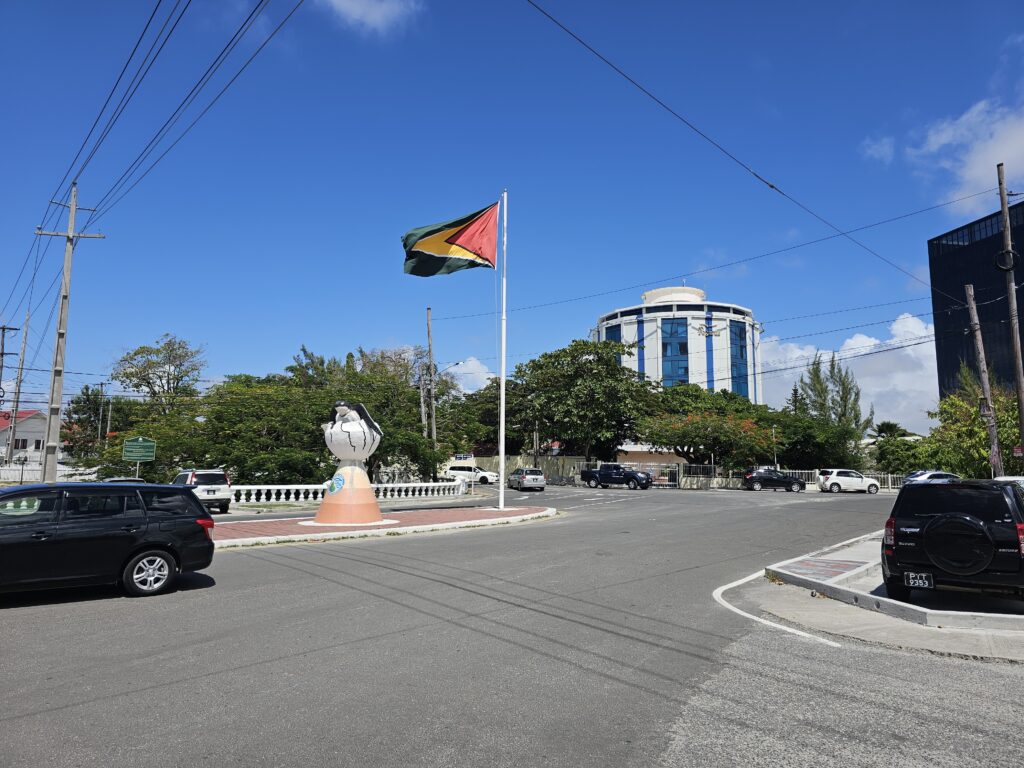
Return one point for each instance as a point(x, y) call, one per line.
point(110, 412)
point(17, 390)
point(52, 440)
point(433, 401)
point(1005, 262)
point(423, 400)
point(99, 421)
point(4, 330)
point(987, 412)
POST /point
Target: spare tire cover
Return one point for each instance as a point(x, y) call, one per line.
point(958, 544)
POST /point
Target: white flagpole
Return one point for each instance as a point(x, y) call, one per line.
point(501, 381)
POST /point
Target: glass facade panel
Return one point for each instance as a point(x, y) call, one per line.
point(614, 333)
point(738, 357)
point(675, 353)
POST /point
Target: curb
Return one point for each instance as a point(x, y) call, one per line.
point(927, 617)
point(375, 532)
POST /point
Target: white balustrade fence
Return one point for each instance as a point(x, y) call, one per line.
point(271, 494)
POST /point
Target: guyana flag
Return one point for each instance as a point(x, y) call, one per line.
point(438, 249)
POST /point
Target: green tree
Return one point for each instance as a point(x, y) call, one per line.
point(582, 395)
point(896, 455)
point(833, 400)
point(708, 437)
point(167, 372)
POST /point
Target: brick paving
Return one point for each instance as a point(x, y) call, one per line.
point(821, 567)
point(228, 531)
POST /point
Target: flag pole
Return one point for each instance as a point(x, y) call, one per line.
point(501, 380)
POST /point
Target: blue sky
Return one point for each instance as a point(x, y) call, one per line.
point(276, 221)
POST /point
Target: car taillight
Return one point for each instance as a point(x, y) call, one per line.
point(890, 532)
point(1020, 536)
point(207, 525)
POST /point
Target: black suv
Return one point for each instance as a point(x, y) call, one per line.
point(756, 479)
point(71, 534)
point(967, 534)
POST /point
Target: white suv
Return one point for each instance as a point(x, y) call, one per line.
point(837, 480)
point(211, 486)
point(471, 474)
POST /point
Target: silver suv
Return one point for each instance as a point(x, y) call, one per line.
point(211, 486)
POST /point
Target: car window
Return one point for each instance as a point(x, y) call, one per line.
point(211, 478)
point(923, 500)
point(180, 479)
point(533, 472)
point(81, 505)
point(28, 508)
point(160, 503)
point(845, 473)
point(857, 475)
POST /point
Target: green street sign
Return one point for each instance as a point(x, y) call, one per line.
point(139, 449)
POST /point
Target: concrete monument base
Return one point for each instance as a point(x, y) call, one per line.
point(349, 500)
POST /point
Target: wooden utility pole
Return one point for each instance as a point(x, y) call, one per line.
point(987, 411)
point(433, 373)
point(423, 400)
point(99, 421)
point(17, 389)
point(4, 330)
point(52, 440)
point(1005, 262)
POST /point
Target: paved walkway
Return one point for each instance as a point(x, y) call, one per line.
point(248, 532)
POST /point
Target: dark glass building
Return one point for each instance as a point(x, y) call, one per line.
point(967, 255)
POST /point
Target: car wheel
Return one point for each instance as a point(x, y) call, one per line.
point(872, 489)
point(834, 488)
point(484, 481)
point(632, 485)
point(149, 573)
point(897, 590)
point(795, 487)
point(755, 487)
point(223, 508)
point(592, 483)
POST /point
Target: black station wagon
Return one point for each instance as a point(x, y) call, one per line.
point(71, 534)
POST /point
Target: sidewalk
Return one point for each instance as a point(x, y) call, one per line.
point(244, 533)
point(960, 624)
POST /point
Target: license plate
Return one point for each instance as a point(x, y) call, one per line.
point(918, 580)
point(211, 493)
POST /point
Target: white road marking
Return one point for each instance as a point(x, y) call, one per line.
point(717, 594)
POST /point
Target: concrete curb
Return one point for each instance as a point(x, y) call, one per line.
point(331, 535)
point(912, 613)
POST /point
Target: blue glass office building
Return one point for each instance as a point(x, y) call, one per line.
point(682, 337)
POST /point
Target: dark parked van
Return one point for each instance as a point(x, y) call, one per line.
point(70, 534)
point(956, 535)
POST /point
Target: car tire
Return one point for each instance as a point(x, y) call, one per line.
point(223, 508)
point(755, 486)
point(872, 489)
point(834, 488)
point(592, 483)
point(149, 573)
point(632, 485)
point(484, 481)
point(897, 590)
point(795, 488)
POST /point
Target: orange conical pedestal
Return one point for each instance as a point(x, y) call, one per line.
point(349, 500)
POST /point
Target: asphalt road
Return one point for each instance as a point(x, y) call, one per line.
point(590, 639)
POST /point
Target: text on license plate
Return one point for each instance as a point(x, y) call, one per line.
point(210, 493)
point(918, 580)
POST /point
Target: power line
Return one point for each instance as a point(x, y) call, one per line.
point(772, 186)
point(206, 109)
point(727, 264)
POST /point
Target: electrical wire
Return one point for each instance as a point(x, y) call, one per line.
point(706, 137)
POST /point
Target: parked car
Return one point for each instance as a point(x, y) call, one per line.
point(839, 480)
point(616, 474)
point(70, 534)
point(757, 479)
point(955, 535)
point(471, 474)
point(212, 486)
point(524, 478)
point(1014, 478)
point(929, 476)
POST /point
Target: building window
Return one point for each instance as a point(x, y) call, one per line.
point(675, 353)
point(20, 443)
point(614, 333)
point(38, 444)
point(738, 357)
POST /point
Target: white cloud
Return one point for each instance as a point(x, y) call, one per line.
point(882, 149)
point(966, 149)
point(902, 385)
point(472, 374)
point(373, 15)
